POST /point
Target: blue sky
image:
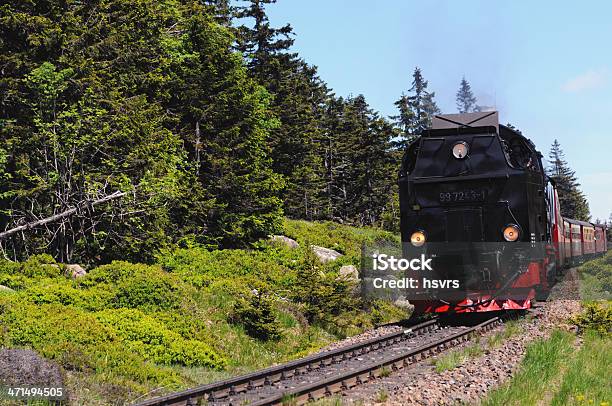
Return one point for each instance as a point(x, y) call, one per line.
point(546, 66)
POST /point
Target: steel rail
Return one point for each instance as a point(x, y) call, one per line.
point(341, 382)
point(216, 391)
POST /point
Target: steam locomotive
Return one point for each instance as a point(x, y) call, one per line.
point(475, 197)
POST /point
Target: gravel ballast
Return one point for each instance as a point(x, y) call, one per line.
point(470, 381)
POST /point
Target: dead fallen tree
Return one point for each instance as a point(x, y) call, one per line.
point(62, 215)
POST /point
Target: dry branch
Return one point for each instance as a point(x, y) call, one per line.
point(62, 215)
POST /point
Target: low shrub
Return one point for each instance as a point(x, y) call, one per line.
point(342, 238)
point(83, 341)
point(596, 317)
point(384, 312)
point(41, 326)
point(67, 294)
point(139, 286)
point(15, 282)
point(324, 296)
point(118, 271)
point(256, 313)
point(9, 267)
point(201, 267)
point(36, 266)
point(147, 292)
point(152, 340)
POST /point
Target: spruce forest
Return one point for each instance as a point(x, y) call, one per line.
point(143, 125)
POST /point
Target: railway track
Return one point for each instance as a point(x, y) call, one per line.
point(326, 373)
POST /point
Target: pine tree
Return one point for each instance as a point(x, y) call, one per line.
point(222, 11)
point(572, 201)
point(299, 102)
point(416, 109)
point(358, 161)
point(466, 102)
point(262, 45)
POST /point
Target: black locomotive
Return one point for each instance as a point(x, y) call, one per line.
point(473, 194)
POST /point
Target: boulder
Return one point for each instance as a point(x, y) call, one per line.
point(325, 254)
point(5, 289)
point(285, 241)
point(20, 367)
point(75, 270)
point(402, 303)
point(349, 272)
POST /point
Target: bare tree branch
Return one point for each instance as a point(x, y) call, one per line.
point(62, 215)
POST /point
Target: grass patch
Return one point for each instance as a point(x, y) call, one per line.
point(454, 358)
point(511, 328)
point(541, 364)
point(596, 278)
point(587, 379)
point(332, 401)
point(385, 372)
point(382, 396)
point(552, 372)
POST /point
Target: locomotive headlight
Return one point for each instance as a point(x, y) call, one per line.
point(511, 232)
point(417, 238)
point(460, 150)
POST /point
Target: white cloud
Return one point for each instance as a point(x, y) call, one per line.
point(591, 79)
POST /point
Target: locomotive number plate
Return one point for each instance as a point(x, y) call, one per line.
point(459, 196)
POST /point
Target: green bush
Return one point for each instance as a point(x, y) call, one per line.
point(596, 317)
point(152, 340)
point(118, 271)
point(16, 282)
point(201, 267)
point(36, 266)
point(39, 326)
point(596, 278)
point(256, 313)
point(9, 267)
point(103, 342)
point(344, 239)
point(136, 286)
point(147, 293)
point(383, 311)
point(42, 265)
point(68, 294)
point(323, 296)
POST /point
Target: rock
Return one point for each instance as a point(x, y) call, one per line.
point(403, 304)
point(26, 368)
point(5, 289)
point(325, 254)
point(75, 270)
point(285, 241)
point(349, 272)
